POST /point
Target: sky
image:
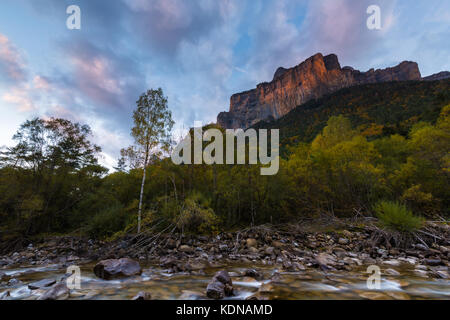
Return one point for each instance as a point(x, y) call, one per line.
point(199, 52)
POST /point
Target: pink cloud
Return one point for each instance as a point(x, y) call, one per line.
point(11, 60)
point(96, 77)
point(20, 97)
point(41, 83)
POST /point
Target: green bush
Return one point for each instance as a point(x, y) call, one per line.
point(396, 216)
point(107, 222)
point(196, 216)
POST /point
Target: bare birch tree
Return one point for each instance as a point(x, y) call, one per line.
point(151, 132)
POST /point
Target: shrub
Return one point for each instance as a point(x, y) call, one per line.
point(197, 217)
point(396, 216)
point(107, 222)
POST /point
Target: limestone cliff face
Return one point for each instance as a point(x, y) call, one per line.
point(311, 79)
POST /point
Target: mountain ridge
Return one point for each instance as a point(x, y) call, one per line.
point(313, 78)
point(376, 110)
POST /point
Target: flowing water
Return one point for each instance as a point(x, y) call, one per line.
point(310, 284)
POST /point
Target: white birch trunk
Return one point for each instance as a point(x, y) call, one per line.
point(142, 191)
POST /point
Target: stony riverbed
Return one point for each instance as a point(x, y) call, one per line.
point(262, 264)
point(405, 283)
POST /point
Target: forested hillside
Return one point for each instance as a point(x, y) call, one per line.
point(359, 149)
point(376, 110)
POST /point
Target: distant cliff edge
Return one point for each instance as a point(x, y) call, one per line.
point(315, 77)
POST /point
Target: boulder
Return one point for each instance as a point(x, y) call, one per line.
point(45, 283)
point(253, 273)
point(58, 292)
point(117, 268)
point(215, 290)
point(142, 296)
point(220, 286)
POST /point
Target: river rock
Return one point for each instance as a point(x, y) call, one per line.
point(215, 290)
point(253, 250)
point(117, 268)
point(221, 286)
point(253, 273)
point(339, 252)
point(278, 244)
point(14, 282)
point(185, 248)
point(392, 272)
point(325, 259)
point(142, 296)
point(269, 251)
point(392, 262)
point(5, 295)
point(251, 242)
point(442, 274)
point(421, 273)
point(432, 262)
point(58, 292)
point(168, 262)
point(45, 283)
point(343, 241)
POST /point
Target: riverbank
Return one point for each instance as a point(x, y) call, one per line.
point(295, 249)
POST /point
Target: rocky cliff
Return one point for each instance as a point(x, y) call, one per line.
point(311, 79)
point(437, 76)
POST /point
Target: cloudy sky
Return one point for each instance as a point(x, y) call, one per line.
point(199, 52)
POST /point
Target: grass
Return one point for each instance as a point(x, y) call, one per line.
point(396, 216)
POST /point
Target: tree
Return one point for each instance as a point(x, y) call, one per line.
point(44, 176)
point(151, 132)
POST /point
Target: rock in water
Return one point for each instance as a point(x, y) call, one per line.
point(5, 295)
point(14, 282)
point(41, 284)
point(215, 290)
point(253, 273)
point(58, 292)
point(117, 268)
point(221, 286)
point(143, 296)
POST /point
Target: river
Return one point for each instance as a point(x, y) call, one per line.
point(309, 284)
